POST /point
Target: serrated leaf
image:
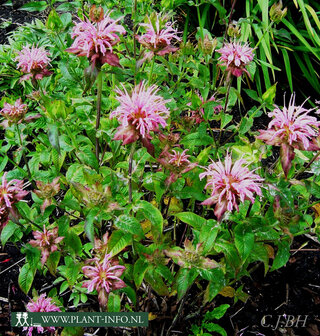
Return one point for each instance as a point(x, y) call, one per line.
point(139, 270)
point(154, 216)
point(53, 261)
point(118, 241)
point(114, 303)
point(282, 255)
point(192, 219)
point(26, 277)
point(35, 6)
point(185, 279)
point(7, 232)
point(129, 224)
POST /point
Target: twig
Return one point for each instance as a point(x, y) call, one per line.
point(7, 269)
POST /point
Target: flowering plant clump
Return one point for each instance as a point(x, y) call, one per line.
point(235, 57)
point(230, 184)
point(104, 277)
point(151, 179)
point(33, 61)
point(96, 41)
point(41, 304)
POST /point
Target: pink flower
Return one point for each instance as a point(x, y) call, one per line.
point(291, 127)
point(47, 192)
point(14, 113)
point(33, 61)
point(235, 57)
point(41, 304)
point(140, 113)
point(11, 192)
point(158, 37)
point(47, 241)
point(104, 277)
point(96, 41)
point(230, 184)
point(179, 159)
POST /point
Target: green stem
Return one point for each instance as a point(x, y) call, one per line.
point(99, 95)
point(133, 147)
point(308, 165)
point(225, 105)
point(151, 70)
point(263, 35)
point(200, 21)
point(24, 155)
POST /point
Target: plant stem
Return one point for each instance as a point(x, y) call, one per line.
point(229, 79)
point(151, 70)
point(133, 147)
point(134, 11)
point(308, 165)
point(99, 94)
point(200, 22)
point(24, 155)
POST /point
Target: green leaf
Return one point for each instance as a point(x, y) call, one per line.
point(192, 219)
point(215, 286)
point(217, 313)
point(114, 303)
point(282, 255)
point(270, 94)
point(118, 241)
point(154, 216)
point(244, 241)
point(184, 280)
point(139, 270)
point(53, 261)
point(72, 272)
point(35, 6)
point(72, 331)
point(89, 224)
point(53, 21)
point(32, 256)
point(26, 277)
point(7, 232)
point(208, 235)
point(216, 328)
point(73, 241)
point(225, 119)
point(129, 224)
point(53, 135)
point(155, 281)
point(245, 125)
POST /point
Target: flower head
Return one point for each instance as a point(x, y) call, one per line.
point(139, 113)
point(291, 127)
point(47, 192)
point(33, 61)
point(96, 41)
point(179, 159)
point(190, 256)
point(104, 277)
point(41, 304)
point(10, 193)
point(47, 241)
point(158, 36)
point(230, 184)
point(14, 113)
point(235, 57)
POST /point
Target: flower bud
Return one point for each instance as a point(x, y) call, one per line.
point(207, 45)
point(234, 30)
point(277, 13)
point(96, 13)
